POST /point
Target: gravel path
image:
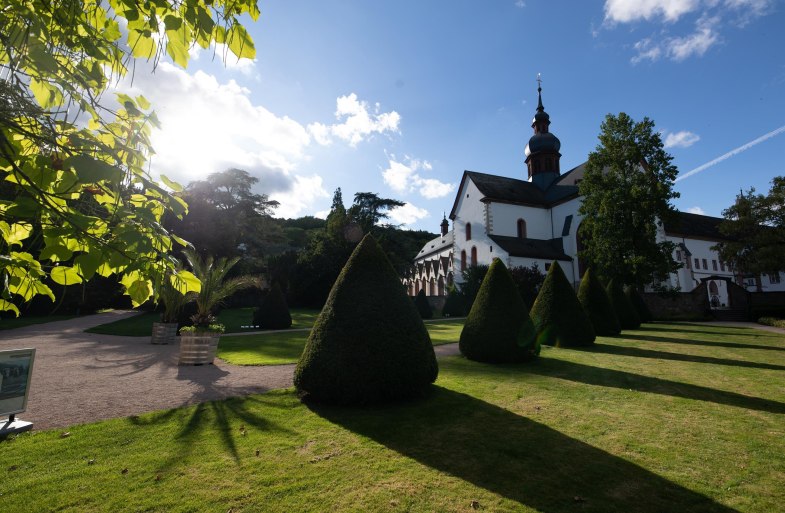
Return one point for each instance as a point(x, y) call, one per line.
point(83, 377)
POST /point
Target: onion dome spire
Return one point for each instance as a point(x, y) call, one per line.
point(542, 152)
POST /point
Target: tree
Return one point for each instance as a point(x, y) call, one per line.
point(597, 304)
point(528, 280)
point(625, 311)
point(272, 313)
point(423, 306)
point(83, 193)
point(557, 314)
point(368, 209)
point(626, 189)
point(755, 227)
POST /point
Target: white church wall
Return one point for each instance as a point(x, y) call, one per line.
point(505, 220)
point(560, 213)
point(703, 262)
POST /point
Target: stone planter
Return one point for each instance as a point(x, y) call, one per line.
point(198, 348)
point(164, 333)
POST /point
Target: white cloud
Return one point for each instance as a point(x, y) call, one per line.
point(322, 214)
point(680, 48)
point(357, 122)
point(408, 214)
point(404, 177)
point(520, 4)
point(229, 60)
point(625, 11)
point(696, 210)
point(681, 139)
point(304, 192)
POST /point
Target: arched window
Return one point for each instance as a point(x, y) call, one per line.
point(521, 229)
point(474, 255)
point(463, 260)
point(468, 231)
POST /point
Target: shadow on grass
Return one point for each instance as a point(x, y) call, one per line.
point(663, 355)
point(515, 457)
point(720, 330)
point(672, 340)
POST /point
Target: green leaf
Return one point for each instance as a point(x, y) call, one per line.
point(185, 282)
point(90, 170)
point(176, 187)
point(87, 264)
point(55, 253)
point(141, 43)
point(18, 232)
point(65, 275)
point(139, 291)
point(7, 306)
point(240, 42)
point(143, 102)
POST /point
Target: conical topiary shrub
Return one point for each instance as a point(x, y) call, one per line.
point(597, 305)
point(628, 317)
point(273, 313)
point(639, 304)
point(558, 315)
point(454, 305)
point(498, 328)
point(368, 344)
point(423, 307)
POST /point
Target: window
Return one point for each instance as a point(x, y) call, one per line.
point(774, 278)
point(474, 255)
point(714, 264)
point(678, 255)
point(722, 266)
point(468, 231)
point(521, 229)
point(705, 264)
point(463, 260)
point(697, 264)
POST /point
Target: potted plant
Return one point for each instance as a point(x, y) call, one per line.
point(173, 301)
point(198, 343)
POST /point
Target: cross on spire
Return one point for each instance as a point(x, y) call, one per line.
point(539, 81)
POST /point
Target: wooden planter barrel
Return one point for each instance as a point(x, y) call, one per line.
point(164, 333)
point(198, 348)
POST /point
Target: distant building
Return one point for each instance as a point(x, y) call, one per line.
point(535, 221)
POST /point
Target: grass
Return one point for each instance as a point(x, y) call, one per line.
point(21, 322)
point(673, 417)
point(286, 347)
point(232, 318)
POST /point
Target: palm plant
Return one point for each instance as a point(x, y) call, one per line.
point(216, 287)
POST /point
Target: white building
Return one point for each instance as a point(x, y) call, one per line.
point(535, 221)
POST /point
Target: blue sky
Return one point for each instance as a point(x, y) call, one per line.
point(398, 98)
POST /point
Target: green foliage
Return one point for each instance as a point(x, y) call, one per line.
point(558, 315)
point(454, 305)
point(369, 344)
point(273, 313)
point(473, 277)
point(755, 227)
point(597, 305)
point(627, 189)
point(528, 280)
point(637, 302)
point(498, 328)
point(772, 321)
point(368, 209)
point(78, 200)
point(628, 316)
point(423, 306)
point(217, 286)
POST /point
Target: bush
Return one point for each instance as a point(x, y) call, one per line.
point(454, 305)
point(498, 328)
point(772, 321)
point(368, 344)
point(641, 308)
point(628, 317)
point(423, 306)
point(597, 304)
point(272, 313)
point(558, 315)
point(472, 280)
point(528, 280)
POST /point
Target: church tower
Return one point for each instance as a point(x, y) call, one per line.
point(542, 151)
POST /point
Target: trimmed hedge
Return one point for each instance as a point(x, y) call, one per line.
point(598, 306)
point(454, 305)
point(423, 307)
point(273, 313)
point(558, 315)
point(639, 304)
point(369, 344)
point(628, 317)
point(498, 328)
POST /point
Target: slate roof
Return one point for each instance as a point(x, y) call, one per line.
point(517, 192)
point(546, 249)
point(439, 243)
point(689, 225)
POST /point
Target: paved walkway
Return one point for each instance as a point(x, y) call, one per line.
point(83, 377)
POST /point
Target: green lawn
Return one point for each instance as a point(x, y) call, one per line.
point(232, 318)
point(669, 418)
point(21, 322)
point(286, 347)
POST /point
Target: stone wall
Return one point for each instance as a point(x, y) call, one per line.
point(437, 304)
point(685, 306)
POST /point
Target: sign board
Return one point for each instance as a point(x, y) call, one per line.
point(16, 369)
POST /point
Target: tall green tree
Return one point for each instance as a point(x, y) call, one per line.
point(82, 189)
point(627, 190)
point(368, 209)
point(755, 227)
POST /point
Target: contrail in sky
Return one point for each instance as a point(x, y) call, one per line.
point(732, 153)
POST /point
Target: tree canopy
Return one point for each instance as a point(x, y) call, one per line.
point(755, 227)
point(626, 189)
point(77, 197)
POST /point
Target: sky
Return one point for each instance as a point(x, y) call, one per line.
point(400, 97)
